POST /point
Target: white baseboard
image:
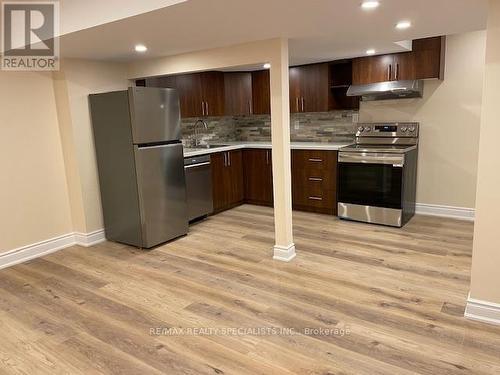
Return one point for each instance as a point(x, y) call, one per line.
point(459, 213)
point(40, 249)
point(284, 253)
point(482, 311)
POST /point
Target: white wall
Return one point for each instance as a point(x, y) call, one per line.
point(78, 79)
point(449, 115)
point(34, 204)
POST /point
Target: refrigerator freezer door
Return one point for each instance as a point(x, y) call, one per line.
point(162, 193)
point(155, 115)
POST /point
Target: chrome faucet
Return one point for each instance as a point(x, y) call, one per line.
point(196, 140)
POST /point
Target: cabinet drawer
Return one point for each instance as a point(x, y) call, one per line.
point(310, 160)
point(315, 200)
point(314, 181)
point(325, 179)
point(314, 196)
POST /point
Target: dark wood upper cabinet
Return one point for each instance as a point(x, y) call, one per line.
point(258, 176)
point(309, 88)
point(200, 94)
point(404, 66)
point(295, 83)
point(189, 88)
point(261, 92)
point(316, 87)
point(212, 91)
point(190, 95)
point(340, 80)
point(372, 69)
point(238, 93)
point(425, 61)
point(163, 82)
point(429, 55)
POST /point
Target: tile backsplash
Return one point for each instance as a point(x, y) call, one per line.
point(220, 129)
point(335, 126)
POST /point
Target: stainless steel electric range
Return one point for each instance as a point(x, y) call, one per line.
point(378, 174)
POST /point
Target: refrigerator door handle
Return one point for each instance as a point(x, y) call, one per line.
point(146, 147)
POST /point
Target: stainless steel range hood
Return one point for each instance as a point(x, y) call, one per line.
point(388, 90)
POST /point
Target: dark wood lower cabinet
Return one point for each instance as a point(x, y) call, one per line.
point(219, 186)
point(247, 177)
point(235, 171)
point(258, 176)
point(227, 179)
point(314, 181)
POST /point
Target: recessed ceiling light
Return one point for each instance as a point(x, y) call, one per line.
point(141, 48)
point(370, 52)
point(403, 25)
point(370, 4)
point(267, 66)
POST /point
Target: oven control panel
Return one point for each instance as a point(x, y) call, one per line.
point(398, 129)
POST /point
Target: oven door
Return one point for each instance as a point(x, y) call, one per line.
point(371, 179)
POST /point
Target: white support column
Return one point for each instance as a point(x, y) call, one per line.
point(484, 300)
point(284, 249)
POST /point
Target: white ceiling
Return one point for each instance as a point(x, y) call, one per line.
point(82, 14)
point(77, 15)
point(319, 30)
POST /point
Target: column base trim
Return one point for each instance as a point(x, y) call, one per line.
point(284, 253)
point(482, 311)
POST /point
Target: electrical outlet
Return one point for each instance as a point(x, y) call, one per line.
point(296, 125)
point(355, 118)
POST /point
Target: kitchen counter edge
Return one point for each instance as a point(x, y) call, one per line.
point(238, 146)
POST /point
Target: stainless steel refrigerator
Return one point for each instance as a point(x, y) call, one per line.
point(141, 165)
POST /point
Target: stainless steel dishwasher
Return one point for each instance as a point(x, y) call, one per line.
point(198, 172)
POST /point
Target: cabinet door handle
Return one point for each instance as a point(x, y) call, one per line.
point(228, 159)
point(224, 154)
point(267, 157)
point(303, 104)
point(397, 72)
point(298, 110)
point(206, 106)
point(250, 110)
point(316, 160)
point(316, 179)
point(315, 198)
point(389, 71)
point(202, 108)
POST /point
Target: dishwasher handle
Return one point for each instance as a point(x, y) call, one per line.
point(196, 165)
point(197, 160)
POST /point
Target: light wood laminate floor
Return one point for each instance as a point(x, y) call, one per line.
point(398, 296)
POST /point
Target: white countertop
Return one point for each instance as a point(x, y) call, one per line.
point(189, 152)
